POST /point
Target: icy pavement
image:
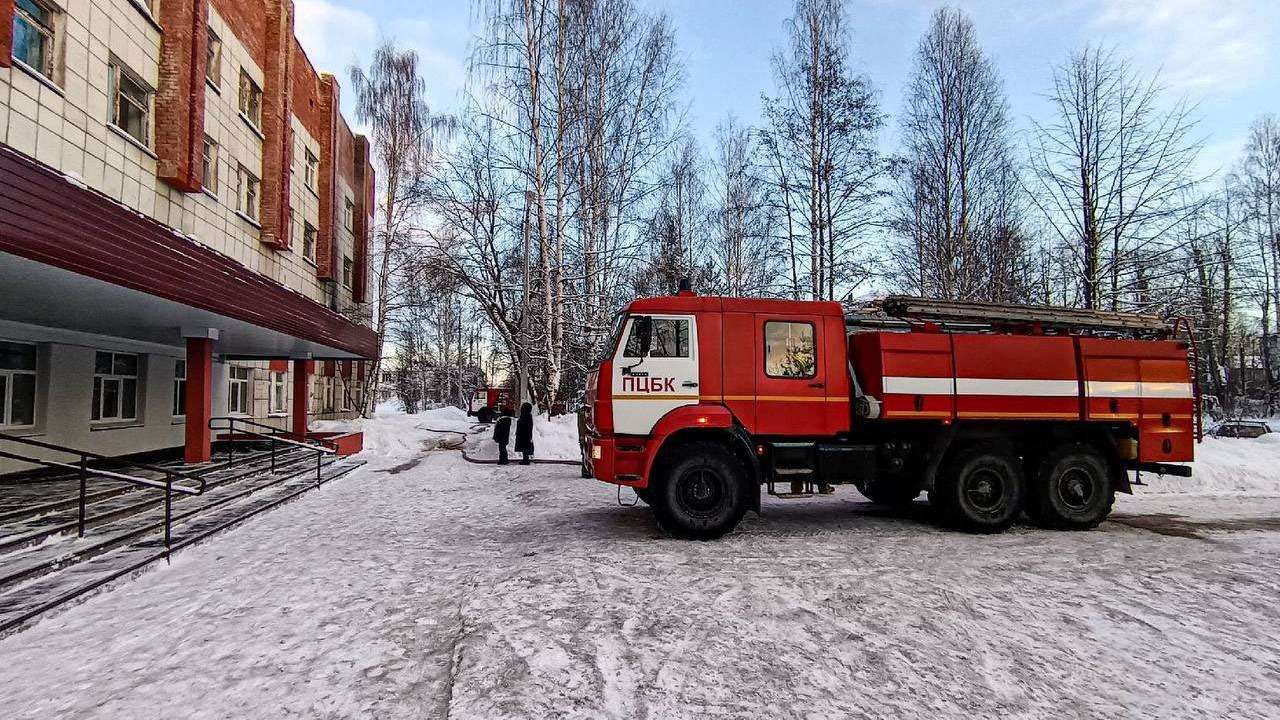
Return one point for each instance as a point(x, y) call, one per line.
point(422, 586)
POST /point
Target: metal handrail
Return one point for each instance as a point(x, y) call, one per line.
point(274, 437)
point(95, 456)
point(168, 485)
point(106, 474)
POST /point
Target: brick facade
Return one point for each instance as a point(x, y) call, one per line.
point(6, 32)
point(326, 250)
point(364, 217)
point(180, 96)
point(277, 134)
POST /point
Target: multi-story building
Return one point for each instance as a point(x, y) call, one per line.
point(184, 219)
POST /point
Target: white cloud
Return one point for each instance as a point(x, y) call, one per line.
point(1202, 45)
point(334, 36)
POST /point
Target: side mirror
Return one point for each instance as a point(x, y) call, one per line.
point(644, 330)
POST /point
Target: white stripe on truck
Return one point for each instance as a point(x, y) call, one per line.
point(1003, 387)
point(1129, 389)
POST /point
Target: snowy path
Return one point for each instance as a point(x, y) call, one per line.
point(443, 588)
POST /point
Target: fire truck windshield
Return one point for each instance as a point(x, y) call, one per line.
point(615, 331)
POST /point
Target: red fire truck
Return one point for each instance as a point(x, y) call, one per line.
point(993, 410)
point(486, 403)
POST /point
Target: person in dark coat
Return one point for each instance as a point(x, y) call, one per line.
point(524, 433)
point(502, 435)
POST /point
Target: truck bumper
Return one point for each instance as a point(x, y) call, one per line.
point(599, 457)
point(603, 458)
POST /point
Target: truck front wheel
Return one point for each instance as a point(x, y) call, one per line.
point(1070, 489)
point(701, 495)
point(979, 490)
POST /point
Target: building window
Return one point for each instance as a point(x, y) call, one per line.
point(279, 394)
point(328, 394)
point(789, 350)
point(250, 99)
point(130, 102)
point(17, 384)
point(34, 36)
point(239, 393)
point(247, 194)
point(180, 388)
point(349, 216)
point(346, 272)
point(308, 241)
point(209, 166)
point(312, 171)
point(115, 387)
point(213, 59)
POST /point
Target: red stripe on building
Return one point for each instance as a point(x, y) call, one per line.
point(49, 220)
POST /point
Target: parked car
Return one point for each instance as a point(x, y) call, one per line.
point(1240, 429)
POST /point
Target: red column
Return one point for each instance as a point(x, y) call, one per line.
point(6, 32)
point(199, 399)
point(301, 391)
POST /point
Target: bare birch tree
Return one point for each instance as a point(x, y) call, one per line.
point(1260, 176)
point(391, 100)
point(954, 209)
point(1112, 176)
point(820, 148)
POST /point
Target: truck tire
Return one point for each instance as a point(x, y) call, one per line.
point(1071, 489)
point(486, 415)
point(891, 493)
point(979, 489)
point(643, 494)
point(701, 494)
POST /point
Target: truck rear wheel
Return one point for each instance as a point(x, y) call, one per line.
point(701, 495)
point(979, 489)
point(1071, 489)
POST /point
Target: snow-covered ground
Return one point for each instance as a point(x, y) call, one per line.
point(425, 586)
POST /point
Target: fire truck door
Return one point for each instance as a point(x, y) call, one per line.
point(646, 388)
point(791, 389)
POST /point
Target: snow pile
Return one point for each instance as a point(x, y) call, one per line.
point(553, 439)
point(393, 434)
point(1227, 465)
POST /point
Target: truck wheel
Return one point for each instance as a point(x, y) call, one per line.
point(701, 495)
point(891, 493)
point(1071, 489)
point(979, 490)
point(485, 415)
point(643, 494)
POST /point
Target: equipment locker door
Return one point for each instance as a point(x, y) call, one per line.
point(791, 390)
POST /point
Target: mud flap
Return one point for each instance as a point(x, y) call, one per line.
point(746, 448)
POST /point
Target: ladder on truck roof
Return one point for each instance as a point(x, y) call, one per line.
point(977, 316)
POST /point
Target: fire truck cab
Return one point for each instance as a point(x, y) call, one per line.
point(700, 402)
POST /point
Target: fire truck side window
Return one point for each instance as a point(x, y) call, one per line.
point(670, 339)
point(789, 350)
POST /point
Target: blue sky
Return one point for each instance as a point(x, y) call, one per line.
point(1223, 55)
